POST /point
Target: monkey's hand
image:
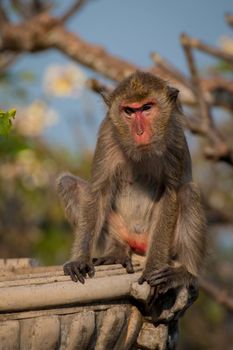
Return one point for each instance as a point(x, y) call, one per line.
point(167, 277)
point(125, 261)
point(79, 269)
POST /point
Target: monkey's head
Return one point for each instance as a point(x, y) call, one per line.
point(141, 108)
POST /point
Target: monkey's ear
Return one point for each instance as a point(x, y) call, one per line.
point(106, 97)
point(173, 93)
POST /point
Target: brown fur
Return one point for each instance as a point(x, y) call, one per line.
point(138, 193)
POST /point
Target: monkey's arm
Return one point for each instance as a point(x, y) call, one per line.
point(95, 206)
point(91, 220)
point(181, 217)
point(163, 220)
point(188, 245)
point(71, 191)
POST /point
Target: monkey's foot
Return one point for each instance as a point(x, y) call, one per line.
point(167, 277)
point(110, 259)
point(78, 270)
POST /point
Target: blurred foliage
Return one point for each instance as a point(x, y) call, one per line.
point(224, 67)
point(5, 121)
point(32, 221)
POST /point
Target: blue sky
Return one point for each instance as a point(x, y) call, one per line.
point(130, 29)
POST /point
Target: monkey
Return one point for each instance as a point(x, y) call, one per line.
point(141, 197)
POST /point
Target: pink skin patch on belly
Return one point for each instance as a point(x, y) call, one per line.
point(138, 242)
point(139, 245)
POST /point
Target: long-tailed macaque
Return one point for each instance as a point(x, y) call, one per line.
point(140, 197)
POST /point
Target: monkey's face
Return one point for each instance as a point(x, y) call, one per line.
point(141, 122)
point(140, 110)
point(139, 116)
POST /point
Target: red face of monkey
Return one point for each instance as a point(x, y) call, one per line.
point(139, 116)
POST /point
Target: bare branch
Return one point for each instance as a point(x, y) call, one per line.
point(217, 293)
point(25, 11)
point(38, 34)
point(218, 148)
point(30, 9)
point(3, 16)
point(229, 19)
point(213, 51)
point(6, 60)
point(40, 6)
point(92, 56)
point(221, 91)
point(196, 86)
point(75, 7)
point(168, 68)
point(99, 88)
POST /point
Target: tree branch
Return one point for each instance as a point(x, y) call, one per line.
point(44, 32)
point(213, 51)
point(229, 19)
point(75, 7)
point(7, 60)
point(32, 8)
point(218, 149)
point(3, 16)
point(168, 68)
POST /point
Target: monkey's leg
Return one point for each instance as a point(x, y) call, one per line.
point(117, 254)
point(116, 250)
point(162, 225)
point(188, 246)
point(71, 191)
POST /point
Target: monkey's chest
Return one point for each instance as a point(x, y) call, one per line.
point(135, 203)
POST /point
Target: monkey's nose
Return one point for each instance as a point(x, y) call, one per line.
point(139, 124)
point(139, 132)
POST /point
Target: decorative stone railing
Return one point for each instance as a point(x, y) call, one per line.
point(40, 308)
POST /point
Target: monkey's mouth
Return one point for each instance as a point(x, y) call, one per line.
point(144, 146)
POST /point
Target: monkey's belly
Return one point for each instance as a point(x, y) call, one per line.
point(132, 210)
point(135, 203)
point(117, 227)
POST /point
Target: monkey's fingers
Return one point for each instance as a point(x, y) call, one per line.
point(163, 288)
point(75, 270)
point(98, 261)
point(154, 282)
point(106, 260)
point(128, 265)
point(162, 274)
point(79, 274)
point(68, 271)
point(95, 261)
point(142, 279)
point(90, 270)
point(87, 269)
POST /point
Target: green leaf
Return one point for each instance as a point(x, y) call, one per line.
point(6, 121)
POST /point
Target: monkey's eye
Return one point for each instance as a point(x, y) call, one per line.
point(128, 110)
point(147, 107)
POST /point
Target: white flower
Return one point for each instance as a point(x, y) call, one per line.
point(32, 120)
point(60, 80)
